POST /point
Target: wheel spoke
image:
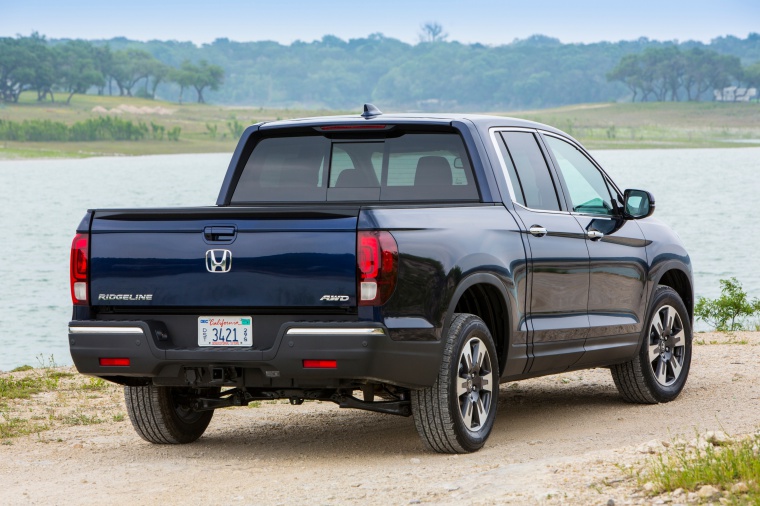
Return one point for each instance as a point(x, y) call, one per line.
point(654, 352)
point(662, 371)
point(461, 387)
point(675, 366)
point(467, 410)
point(482, 412)
point(678, 338)
point(487, 382)
point(467, 357)
point(477, 356)
point(657, 323)
point(668, 318)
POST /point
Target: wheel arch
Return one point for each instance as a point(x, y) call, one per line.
point(484, 295)
point(677, 279)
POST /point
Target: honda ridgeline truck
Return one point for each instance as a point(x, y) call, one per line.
point(404, 264)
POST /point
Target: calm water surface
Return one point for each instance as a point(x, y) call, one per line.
point(709, 196)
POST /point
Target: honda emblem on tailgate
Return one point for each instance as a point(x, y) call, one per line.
point(218, 260)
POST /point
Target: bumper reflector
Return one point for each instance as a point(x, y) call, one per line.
point(114, 362)
point(320, 364)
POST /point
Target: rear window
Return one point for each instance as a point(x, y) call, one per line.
point(411, 167)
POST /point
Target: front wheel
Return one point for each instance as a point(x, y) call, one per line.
point(658, 372)
point(457, 413)
point(164, 415)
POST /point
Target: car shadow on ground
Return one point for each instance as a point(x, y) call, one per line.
point(302, 432)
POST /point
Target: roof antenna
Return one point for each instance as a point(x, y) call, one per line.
point(370, 111)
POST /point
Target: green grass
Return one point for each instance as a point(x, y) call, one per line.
point(656, 124)
point(723, 467)
point(211, 128)
point(205, 128)
point(70, 399)
point(14, 427)
point(23, 388)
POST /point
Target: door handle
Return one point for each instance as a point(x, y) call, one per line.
point(594, 235)
point(537, 230)
point(219, 234)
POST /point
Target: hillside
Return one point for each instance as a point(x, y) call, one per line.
point(211, 128)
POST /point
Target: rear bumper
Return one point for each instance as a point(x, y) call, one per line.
point(362, 351)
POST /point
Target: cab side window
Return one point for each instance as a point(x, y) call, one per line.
point(528, 172)
point(589, 192)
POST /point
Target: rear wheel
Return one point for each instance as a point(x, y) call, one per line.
point(457, 413)
point(658, 373)
point(164, 415)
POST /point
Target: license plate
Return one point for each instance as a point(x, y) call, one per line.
point(225, 331)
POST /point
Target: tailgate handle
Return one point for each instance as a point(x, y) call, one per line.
point(219, 234)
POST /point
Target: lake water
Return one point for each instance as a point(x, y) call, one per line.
point(709, 196)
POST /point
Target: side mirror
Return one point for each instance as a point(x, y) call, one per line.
point(638, 204)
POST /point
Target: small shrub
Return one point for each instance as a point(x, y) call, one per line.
point(95, 384)
point(235, 127)
point(173, 134)
point(727, 312)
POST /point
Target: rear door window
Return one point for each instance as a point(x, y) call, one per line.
point(528, 172)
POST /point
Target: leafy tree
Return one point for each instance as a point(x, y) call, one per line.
point(76, 67)
point(18, 61)
point(203, 76)
point(129, 67)
point(182, 77)
point(630, 73)
point(158, 72)
point(727, 312)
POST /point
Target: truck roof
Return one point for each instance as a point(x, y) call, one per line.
point(482, 121)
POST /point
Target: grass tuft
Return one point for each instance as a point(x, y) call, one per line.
point(23, 388)
point(733, 468)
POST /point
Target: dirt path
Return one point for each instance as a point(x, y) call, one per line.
point(558, 440)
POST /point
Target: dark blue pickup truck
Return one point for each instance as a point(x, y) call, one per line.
point(404, 264)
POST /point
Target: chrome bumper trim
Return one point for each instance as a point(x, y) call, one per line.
point(317, 331)
point(105, 330)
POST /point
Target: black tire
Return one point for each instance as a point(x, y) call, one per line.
point(658, 372)
point(162, 415)
point(457, 413)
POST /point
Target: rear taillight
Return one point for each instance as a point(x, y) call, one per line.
point(377, 266)
point(79, 268)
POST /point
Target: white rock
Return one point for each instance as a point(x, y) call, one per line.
point(415, 461)
point(718, 438)
point(652, 446)
point(708, 492)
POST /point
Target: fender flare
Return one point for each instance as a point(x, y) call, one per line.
point(476, 279)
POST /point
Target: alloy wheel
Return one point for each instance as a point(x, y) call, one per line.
point(474, 388)
point(667, 345)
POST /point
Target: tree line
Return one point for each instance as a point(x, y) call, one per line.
point(76, 66)
point(434, 74)
point(668, 73)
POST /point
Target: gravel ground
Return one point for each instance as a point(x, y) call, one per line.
point(565, 439)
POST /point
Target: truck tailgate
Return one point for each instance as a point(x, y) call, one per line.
point(233, 257)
